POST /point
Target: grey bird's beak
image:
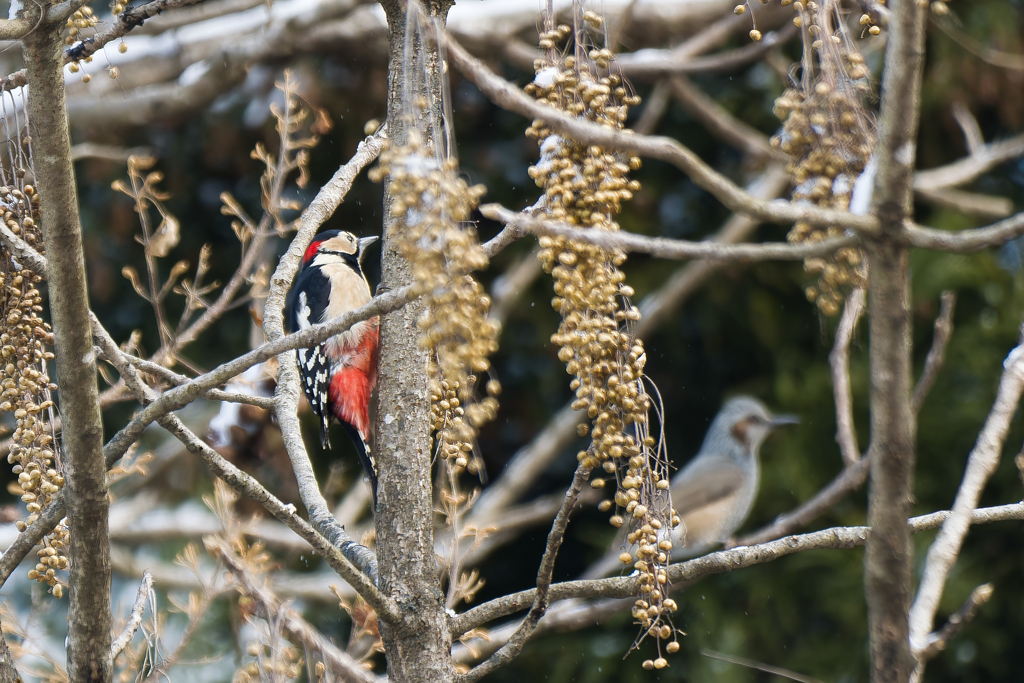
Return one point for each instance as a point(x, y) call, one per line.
point(780, 420)
point(364, 242)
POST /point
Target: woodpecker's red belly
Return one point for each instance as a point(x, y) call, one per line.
point(354, 375)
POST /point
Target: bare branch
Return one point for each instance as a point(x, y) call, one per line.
point(966, 241)
point(721, 123)
point(265, 402)
point(663, 247)
point(760, 666)
point(92, 150)
point(655, 106)
point(936, 354)
point(122, 24)
point(28, 539)
point(509, 97)
point(684, 574)
point(969, 125)
point(1005, 60)
point(848, 481)
point(971, 203)
point(970, 167)
point(981, 463)
point(514, 646)
point(659, 63)
point(937, 641)
point(839, 360)
point(134, 617)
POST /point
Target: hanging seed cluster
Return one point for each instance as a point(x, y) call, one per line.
point(82, 19)
point(432, 204)
point(275, 661)
point(829, 136)
point(24, 338)
point(585, 185)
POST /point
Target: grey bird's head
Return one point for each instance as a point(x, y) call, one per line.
point(741, 426)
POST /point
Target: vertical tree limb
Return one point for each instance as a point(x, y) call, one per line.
point(419, 647)
point(88, 645)
point(888, 556)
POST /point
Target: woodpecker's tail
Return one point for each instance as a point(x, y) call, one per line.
point(365, 456)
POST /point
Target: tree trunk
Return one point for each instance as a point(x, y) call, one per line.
point(419, 648)
point(88, 645)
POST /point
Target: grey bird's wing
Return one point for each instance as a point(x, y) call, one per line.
point(705, 481)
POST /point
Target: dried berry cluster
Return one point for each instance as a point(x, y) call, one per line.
point(585, 185)
point(432, 205)
point(275, 661)
point(24, 337)
point(829, 136)
point(82, 19)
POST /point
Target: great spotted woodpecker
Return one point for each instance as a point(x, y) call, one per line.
point(338, 374)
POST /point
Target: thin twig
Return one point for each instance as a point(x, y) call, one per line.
point(134, 617)
point(936, 354)
point(195, 617)
point(969, 168)
point(937, 641)
point(845, 483)
point(663, 247)
point(514, 646)
point(721, 123)
point(839, 361)
point(655, 106)
point(760, 666)
point(981, 463)
point(966, 241)
point(149, 367)
point(1005, 60)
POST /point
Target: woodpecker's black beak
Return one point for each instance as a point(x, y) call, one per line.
point(364, 242)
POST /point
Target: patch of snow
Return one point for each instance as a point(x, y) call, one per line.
point(545, 78)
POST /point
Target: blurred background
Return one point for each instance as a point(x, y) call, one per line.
point(746, 329)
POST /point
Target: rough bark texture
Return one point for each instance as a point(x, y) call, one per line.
point(8, 673)
point(418, 648)
point(888, 555)
point(88, 645)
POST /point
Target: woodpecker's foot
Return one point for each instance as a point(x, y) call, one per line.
point(381, 289)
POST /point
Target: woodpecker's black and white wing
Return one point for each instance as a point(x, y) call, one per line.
point(305, 307)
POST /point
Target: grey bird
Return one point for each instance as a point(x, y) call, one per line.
point(715, 492)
